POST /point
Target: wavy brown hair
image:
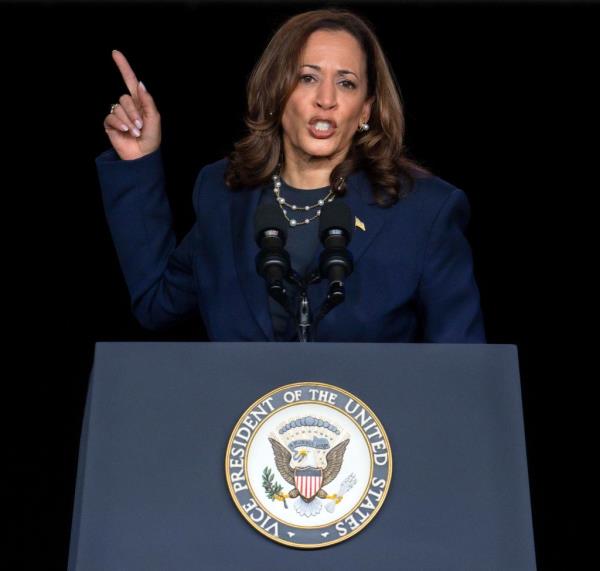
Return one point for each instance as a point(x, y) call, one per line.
point(380, 151)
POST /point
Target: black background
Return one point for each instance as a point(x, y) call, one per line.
point(495, 101)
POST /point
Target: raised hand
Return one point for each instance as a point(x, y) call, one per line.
point(134, 125)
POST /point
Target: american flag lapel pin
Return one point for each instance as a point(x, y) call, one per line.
point(359, 224)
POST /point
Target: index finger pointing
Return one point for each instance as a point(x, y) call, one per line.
point(126, 72)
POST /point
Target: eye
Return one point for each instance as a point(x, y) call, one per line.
point(346, 82)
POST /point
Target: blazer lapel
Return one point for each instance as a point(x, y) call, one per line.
point(360, 200)
point(243, 206)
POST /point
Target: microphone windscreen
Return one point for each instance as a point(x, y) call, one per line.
point(336, 214)
point(269, 217)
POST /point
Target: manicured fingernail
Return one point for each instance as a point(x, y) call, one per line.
point(138, 124)
point(124, 128)
point(143, 86)
point(135, 132)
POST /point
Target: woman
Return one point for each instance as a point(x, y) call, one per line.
point(325, 123)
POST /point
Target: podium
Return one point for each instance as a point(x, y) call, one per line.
point(151, 488)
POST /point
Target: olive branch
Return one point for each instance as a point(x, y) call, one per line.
point(273, 489)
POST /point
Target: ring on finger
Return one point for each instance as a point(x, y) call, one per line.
point(113, 107)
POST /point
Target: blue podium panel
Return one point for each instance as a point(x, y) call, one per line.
point(151, 488)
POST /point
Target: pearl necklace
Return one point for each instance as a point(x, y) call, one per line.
point(283, 203)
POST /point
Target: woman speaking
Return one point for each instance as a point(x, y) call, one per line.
point(325, 124)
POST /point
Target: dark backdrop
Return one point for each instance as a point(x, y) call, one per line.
point(494, 104)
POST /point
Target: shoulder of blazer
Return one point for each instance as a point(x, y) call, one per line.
point(442, 201)
point(210, 183)
point(431, 193)
point(427, 190)
point(433, 189)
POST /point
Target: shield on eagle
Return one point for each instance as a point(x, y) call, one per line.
point(308, 481)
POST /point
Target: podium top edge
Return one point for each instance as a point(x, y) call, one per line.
point(234, 343)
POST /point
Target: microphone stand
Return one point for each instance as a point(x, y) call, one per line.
point(305, 326)
point(303, 316)
point(336, 294)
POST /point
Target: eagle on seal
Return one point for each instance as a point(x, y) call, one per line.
point(308, 481)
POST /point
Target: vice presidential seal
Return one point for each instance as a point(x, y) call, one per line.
point(308, 465)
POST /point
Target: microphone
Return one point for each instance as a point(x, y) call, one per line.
point(335, 231)
point(273, 261)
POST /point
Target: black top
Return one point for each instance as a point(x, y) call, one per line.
point(302, 244)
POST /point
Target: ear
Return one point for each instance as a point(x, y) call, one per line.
point(366, 109)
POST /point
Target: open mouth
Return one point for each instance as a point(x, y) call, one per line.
point(321, 129)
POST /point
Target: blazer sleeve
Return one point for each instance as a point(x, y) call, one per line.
point(448, 295)
point(158, 272)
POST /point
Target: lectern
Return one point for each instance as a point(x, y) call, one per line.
point(154, 482)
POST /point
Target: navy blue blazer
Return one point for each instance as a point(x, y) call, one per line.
point(413, 270)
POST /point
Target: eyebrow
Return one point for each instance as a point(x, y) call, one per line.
point(339, 72)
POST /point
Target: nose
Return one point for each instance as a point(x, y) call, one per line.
point(326, 95)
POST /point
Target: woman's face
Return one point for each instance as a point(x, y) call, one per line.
point(332, 87)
